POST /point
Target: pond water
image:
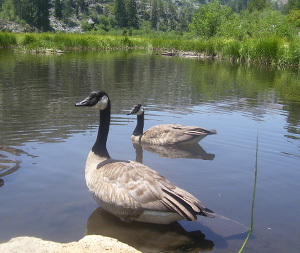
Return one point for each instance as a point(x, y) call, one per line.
point(45, 139)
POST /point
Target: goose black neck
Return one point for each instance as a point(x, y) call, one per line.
point(99, 147)
point(138, 131)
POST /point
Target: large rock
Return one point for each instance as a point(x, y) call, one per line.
point(90, 243)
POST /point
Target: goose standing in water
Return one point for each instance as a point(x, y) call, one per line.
point(168, 134)
point(131, 190)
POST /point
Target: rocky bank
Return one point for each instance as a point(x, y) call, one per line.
point(90, 243)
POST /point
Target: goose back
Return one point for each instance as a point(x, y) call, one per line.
point(133, 191)
point(170, 134)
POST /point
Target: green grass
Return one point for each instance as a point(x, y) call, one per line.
point(253, 200)
point(269, 50)
point(7, 39)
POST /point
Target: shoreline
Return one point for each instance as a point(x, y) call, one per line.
point(273, 51)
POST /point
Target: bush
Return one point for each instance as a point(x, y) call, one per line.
point(257, 25)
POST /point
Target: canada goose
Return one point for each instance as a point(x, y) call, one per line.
point(131, 190)
point(168, 134)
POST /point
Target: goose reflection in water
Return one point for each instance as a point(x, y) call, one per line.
point(187, 151)
point(8, 162)
point(147, 237)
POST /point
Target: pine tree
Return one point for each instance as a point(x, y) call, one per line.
point(58, 9)
point(132, 16)
point(36, 13)
point(154, 14)
point(143, 10)
point(120, 13)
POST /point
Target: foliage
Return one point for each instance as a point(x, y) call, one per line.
point(257, 24)
point(36, 13)
point(58, 5)
point(132, 16)
point(154, 14)
point(294, 17)
point(274, 23)
point(203, 18)
point(120, 13)
point(293, 5)
point(237, 5)
point(9, 10)
point(256, 5)
point(268, 50)
point(210, 16)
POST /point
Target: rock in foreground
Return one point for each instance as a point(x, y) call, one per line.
point(90, 243)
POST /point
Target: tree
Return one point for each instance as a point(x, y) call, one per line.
point(207, 21)
point(143, 10)
point(266, 23)
point(103, 23)
point(293, 5)
point(182, 24)
point(258, 5)
point(294, 17)
point(58, 9)
point(154, 14)
point(132, 17)
point(82, 5)
point(8, 10)
point(120, 13)
point(238, 5)
point(67, 10)
point(36, 13)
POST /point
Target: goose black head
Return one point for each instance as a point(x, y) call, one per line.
point(96, 99)
point(137, 110)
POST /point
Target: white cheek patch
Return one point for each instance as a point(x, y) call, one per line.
point(140, 111)
point(102, 104)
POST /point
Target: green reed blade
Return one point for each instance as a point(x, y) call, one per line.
point(253, 199)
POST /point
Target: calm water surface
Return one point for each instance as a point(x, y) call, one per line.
point(45, 139)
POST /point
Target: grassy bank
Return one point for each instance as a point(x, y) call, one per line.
point(270, 50)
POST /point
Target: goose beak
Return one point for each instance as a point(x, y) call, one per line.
point(131, 112)
point(134, 110)
point(85, 102)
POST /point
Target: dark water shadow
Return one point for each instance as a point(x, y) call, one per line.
point(187, 151)
point(147, 237)
point(9, 162)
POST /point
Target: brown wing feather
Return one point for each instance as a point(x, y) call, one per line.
point(169, 134)
point(134, 185)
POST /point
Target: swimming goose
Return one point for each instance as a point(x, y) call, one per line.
point(131, 190)
point(168, 134)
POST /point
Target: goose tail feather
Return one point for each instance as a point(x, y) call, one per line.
point(185, 207)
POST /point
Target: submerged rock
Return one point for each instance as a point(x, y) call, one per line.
point(90, 243)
